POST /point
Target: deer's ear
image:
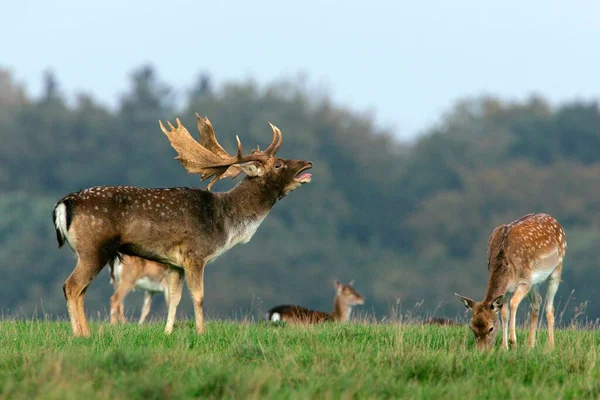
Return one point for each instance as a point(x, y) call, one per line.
point(231, 172)
point(469, 303)
point(497, 303)
point(338, 287)
point(252, 168)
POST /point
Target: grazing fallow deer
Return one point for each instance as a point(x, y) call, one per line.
point(521, 256)
point(184, 228)
point(127, 273)
point(345, 298)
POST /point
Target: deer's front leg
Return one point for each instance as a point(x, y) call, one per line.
point(195, 282)
point(516, 299)
point(504, 316)
point(175, 282)
point(88, 266)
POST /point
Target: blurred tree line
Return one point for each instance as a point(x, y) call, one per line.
point(408, 221)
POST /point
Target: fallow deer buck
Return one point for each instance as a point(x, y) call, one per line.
point(521, 256)
point(130, 273)
point(345, 298)
point(184, 228)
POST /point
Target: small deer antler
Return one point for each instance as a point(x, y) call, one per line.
point(276, 142)
point(207, 157)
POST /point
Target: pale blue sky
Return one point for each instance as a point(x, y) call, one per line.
point(407, 62)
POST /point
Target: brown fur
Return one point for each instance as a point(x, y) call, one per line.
point(345, 298)
point(133, 270)
point(181, 227)
point(521, 255)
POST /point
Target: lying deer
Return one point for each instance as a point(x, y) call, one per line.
point(345, 298)
point(184, 228)
point(127, 273)
point(521, 256)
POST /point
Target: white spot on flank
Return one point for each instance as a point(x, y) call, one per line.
point(275, 317)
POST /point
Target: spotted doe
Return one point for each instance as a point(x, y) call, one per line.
point(521, 256)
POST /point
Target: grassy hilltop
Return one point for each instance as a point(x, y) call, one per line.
point(237, 360)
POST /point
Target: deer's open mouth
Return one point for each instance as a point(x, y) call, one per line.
point(304, 177)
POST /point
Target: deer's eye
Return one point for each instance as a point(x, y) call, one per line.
point(278, 165)
point(491, 329)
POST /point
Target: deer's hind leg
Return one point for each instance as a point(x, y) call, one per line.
point(117, 312)
point(88, 267)
point(146, 307)
point(122, 313)
point(536, 301)
point(553, 283)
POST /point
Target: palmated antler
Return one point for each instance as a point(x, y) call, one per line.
point(207, 157)
point(207, 137)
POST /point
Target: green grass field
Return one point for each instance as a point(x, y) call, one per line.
point(235, 360)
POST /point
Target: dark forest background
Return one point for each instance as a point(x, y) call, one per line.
point(408, 221)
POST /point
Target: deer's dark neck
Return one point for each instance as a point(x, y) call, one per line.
point(248, 198)
point(498, 280)
point(341, 311)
